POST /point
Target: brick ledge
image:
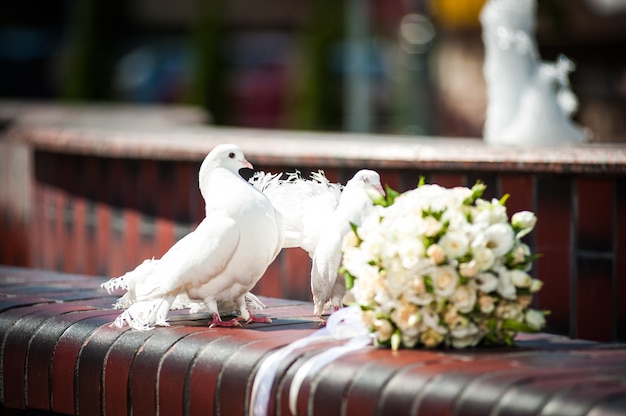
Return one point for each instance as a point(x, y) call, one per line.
point(57, 325)
point(177, 134)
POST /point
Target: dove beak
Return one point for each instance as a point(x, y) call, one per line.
point(246, 164)
point(380, 189)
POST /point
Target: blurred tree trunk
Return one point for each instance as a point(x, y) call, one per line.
point(316, 95)
point(206, 87)
point(95, 27)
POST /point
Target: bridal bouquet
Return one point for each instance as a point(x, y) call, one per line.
point(436, 266)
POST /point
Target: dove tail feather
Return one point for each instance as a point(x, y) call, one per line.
point(115, 284)
point(145, 315)
point(305, 204)
point(253, 302)
point(124, 302)
point(263, 180)
point(129, 279)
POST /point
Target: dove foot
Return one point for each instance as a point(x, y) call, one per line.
point(261, 319)
point(217, 322)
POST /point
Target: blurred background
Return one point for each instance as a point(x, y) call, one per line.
point(388, 66)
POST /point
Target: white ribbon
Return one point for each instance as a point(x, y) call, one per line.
point(346, 323)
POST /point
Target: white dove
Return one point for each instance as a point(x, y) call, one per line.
point(354, 206)
point(220, 261)
point(318, 216)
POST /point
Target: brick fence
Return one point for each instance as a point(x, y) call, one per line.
point(100, 190)
point(59, 354)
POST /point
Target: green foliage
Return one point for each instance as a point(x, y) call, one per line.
point(477, 192)
point(349, 279)
point(388, 199)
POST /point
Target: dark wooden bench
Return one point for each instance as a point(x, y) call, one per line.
point(58, 353)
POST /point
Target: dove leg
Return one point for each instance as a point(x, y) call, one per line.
point(254, 318)
point(217, 321)
point(211, 305)
point(245, 312)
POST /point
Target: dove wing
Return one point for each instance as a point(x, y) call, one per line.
point(196, 258)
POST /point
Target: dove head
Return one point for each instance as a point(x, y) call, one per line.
point(226, 156)
point(368, 179)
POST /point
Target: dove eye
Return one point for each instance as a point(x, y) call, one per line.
point(231, 155)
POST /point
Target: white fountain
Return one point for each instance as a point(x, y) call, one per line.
point(529, 102)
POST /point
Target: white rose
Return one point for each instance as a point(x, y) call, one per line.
point(410, 250)
point(385, 301)
point(445, 280)
point(520, 278)
point(452, 318)
point(384, 329)
point(410, 226)
point(499, 238)
point(468, 269)
point(454, 243)
point(371, 227)
point(417, 294)
point(487, 304)
point(464, 299)
point(368, 317)
point(486, 282)
point(410, 340)
point(455, 218)
point(367, 284)
point(535, 285)
point(520, 253)
point(397, 282)
point(355, 261)
point(465, 336)
point(406, 317)
point(350, 240)
point(506, 289)
point(483, 257)
point(509, 310)
point(431, 337)
point(535, 319)
point(524, 221)
point(430, 227)
point(460, 194)
point(373, 246)
point(436, 253)
point(490, 212)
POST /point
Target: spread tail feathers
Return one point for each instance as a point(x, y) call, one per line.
point(130, 279)
point(306, 204)
point(144, 315)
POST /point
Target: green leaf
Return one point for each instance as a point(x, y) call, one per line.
point(354, 229)
point(513, 325)
point(391, 195)
point(396, 340)
point(422, 181)
point(504, 198)
point(477, 192)
point(428, 282)
point(349, 280)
